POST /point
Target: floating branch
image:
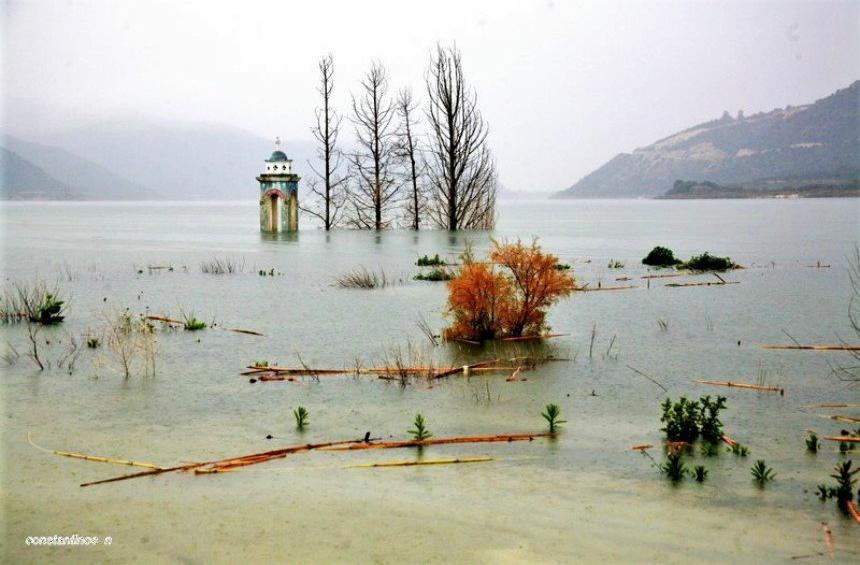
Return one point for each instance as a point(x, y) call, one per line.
point(167, 320)
point(584, 288)
point(847, 419)
point(841, 347)
point(530, 337)
point(642, 447)
point(439, 441)
point(638, 372)
point(846, 439)
point(95, 458)
point(720, 283)
point(767, 388)
point(224, 464)
point(424, 462)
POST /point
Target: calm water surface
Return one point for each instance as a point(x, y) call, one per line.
point(583, 497)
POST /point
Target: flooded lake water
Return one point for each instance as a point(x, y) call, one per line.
point(582, 497)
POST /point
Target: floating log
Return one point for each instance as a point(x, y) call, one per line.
point(668, 275)
point(642, 447)
point(767, 388)
point(440, 441)
point(424, 462)
point(835, 405)
point(728, 441)
point(820, 347)
point(846, 439)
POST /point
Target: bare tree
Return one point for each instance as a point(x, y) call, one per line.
point(327, 188)
point(374, 192)
point(461, 168)
point(408, 151)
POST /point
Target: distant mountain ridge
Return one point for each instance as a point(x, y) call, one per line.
point(22, 180)
point(813, 141)
point(83, 178)
point(143, 159)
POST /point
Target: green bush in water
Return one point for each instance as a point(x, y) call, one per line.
point(48, 311)
point(708, 262)
point(661, 257)
point(435, 275)
point(427, 261)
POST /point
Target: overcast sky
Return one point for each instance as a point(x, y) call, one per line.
point(564, 85)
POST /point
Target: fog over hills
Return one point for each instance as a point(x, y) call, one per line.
point(149, 159)
point(813, 141)
point(23, 180)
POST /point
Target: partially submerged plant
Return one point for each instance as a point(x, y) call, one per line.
point(420, 432)
point(686, 420)
point(562, 267)
point(738, 449)
point(260, 364)
point(223, 266)
point(508, 296)
point(551, 415)
point(437, 274)
point(193, 324)
point(812, 443)
point(94, 342)
point(434, 261)
point(615, 264)
point(33, 302)
point(708, 262)
point(710, 425)
point(761, 472)
point(700, 473)
point(660, 257)
point(301, 416)
point(681, 420)
point(361, 278)
point(845, 480)
point(709, 449)
point(674, 467)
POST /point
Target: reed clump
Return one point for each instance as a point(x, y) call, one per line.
point(223, 266)
point(362, 278)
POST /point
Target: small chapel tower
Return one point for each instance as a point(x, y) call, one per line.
point(279, 199)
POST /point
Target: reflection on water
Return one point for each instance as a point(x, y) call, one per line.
point(585, 497)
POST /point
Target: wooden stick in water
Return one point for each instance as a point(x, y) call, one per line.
point(767, 388)
point(440, 441)
point(819, 347)
point(424, 462)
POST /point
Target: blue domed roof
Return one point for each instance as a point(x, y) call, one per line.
point(278, 156)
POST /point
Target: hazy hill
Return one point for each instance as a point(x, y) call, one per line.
point(181, 160)
point(22, 180)
point(86, 179)
point(820, 140)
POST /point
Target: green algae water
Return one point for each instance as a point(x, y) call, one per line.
point(582, 497)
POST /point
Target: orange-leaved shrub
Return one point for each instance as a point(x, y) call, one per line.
point(507, 296)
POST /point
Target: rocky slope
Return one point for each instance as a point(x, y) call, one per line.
point(814, 141)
